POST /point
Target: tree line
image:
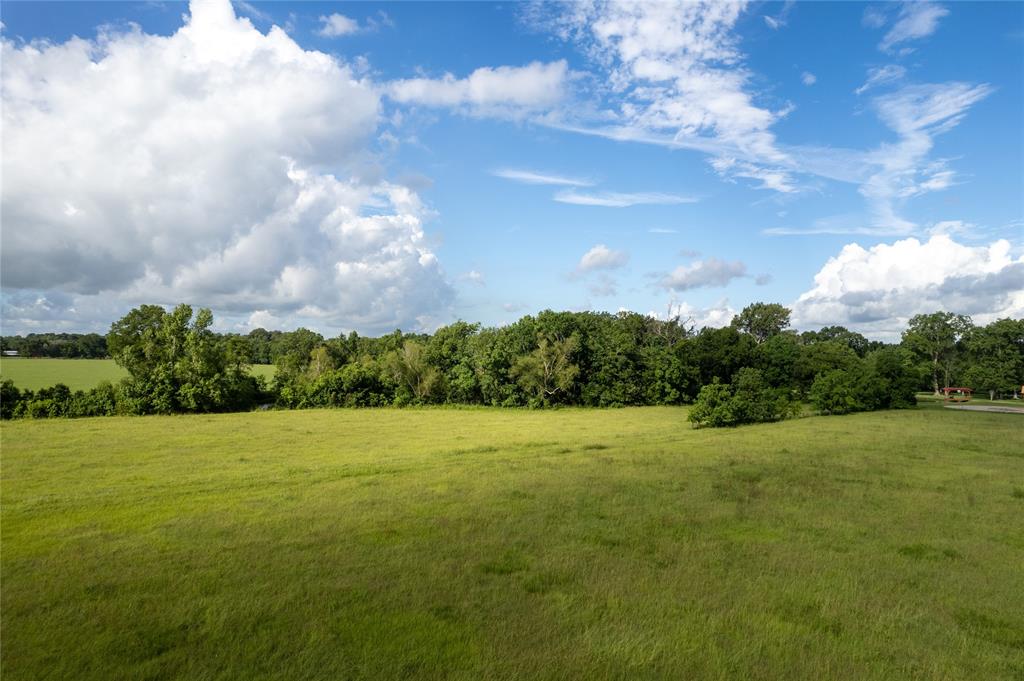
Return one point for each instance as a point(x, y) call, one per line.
point(755, 369)
point(57, 345)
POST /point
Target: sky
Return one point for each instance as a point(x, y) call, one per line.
point(372, 166)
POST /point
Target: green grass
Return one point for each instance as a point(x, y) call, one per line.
point(489, 544)
point(77, 374)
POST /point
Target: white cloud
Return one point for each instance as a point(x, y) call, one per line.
point(874, 17)
point(808, 78)
point(882, 75)
point(953, 228)
point(675, 77)
point(917, 113)
point(703, 273)
point(619, 199)
point(600, 257)
point(263, 319)
point(143, 168)
point(916, 20)
point(877, 290)
point(503, 90)
point(474, 277)
point(716, 316)
point(771, 178)
point(337, 25)
point(534, 177)
point(779, 20)
point(252, 11)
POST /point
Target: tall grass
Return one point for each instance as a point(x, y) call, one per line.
point(489, 544)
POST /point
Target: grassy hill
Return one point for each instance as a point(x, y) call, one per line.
point(504, 544)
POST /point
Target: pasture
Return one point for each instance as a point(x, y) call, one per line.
point(508, 544)
point(77, 374)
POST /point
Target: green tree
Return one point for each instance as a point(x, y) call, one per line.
point(177, 363)
point(410, 369)
point(837, 392)
point(762, 320)
point(934, 337)
point(821, 358)
point(853, 340)
point(549, 370)
point(995, 357)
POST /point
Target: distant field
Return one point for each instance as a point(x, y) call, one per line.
point(507, 544)
point(77, 374)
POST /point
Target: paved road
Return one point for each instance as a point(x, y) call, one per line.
point(982, 407)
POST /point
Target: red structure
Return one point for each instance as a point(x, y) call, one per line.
point(958, 394)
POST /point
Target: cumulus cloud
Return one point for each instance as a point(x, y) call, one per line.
point(808, 78)
point(600, 257)
point(703, 273)
point(534, 177)
point(501, 90)
point(714, 316)
point(337, 25)
point(916, 20)
point(877, 290)
point(881, 75)
point(619, 199)
point(194, 167)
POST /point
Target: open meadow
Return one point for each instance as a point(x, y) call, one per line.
point(502, 544)
point(78, 374)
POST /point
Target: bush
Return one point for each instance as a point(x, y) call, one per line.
point(100, 401)
point(836, 392)
point(10, 399)
point(747, 400)
point(713, 406)
point(887, 380)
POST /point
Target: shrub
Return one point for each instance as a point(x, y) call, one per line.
point(747, 400)
point(713, 406)
point(836, 392)
point(10, 399)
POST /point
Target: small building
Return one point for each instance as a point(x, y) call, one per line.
point(957, 394)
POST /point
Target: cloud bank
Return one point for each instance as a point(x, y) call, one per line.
point(218, 165)
point(878, 289)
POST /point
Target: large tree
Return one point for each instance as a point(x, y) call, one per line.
point(935, 337)
point(996, 357)
point(762, 320)
point(411, 370)
point(176, 363)
point(549, 370)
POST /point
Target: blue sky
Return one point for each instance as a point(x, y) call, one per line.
point(372, 165)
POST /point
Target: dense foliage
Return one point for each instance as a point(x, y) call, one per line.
point(57, 345)
point(753, 370)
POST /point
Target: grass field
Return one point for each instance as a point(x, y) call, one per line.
point(490, 544)
point(77, 374)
